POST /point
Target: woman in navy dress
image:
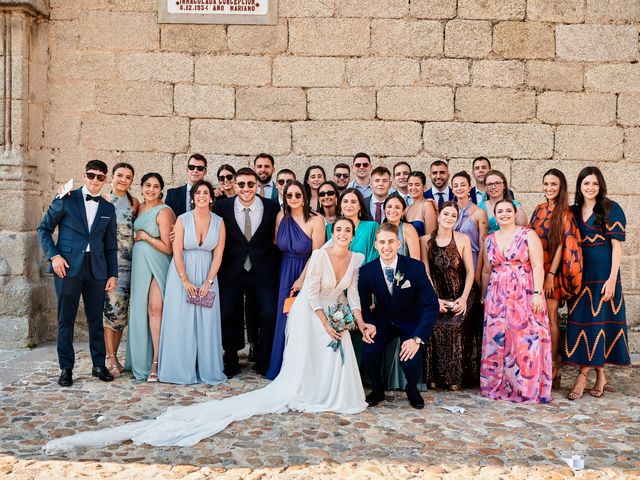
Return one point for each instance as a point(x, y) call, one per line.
point(299, 231)
point(597, 326)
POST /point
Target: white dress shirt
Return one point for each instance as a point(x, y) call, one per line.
point(393, 265)
point(446, 193)
point(256, 209)
point(91, 209)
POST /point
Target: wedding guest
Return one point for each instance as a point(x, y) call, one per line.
point(472, 220)
point(84, 260)
point(516, 348)
point(422, 213)
point(226, 181)
point(401, 171)
point(264, 166)
point(452, 356)
point(150, 262)
point(558, 231)
point(116, 302)
point(439, 191)
point(328, 195)
point(191, 342)
point(178, 198)
point(299, 231)
point(284, 178)
point(313, 178)
point(341, 175)
point(479, 169)
point(362, 168)
point(496, 185)
point(394, 208)
point(380, 186)
point(597, 325)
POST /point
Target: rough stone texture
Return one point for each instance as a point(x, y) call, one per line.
point(497, 73)
point(113, 30)
point(341, 103)
point(258, 39)
point(589, 143)
point(613, 78)
point(136, 98)
point(156, 67)
point(322, 36)
point(233, 70)
point(613, 10)
point(467, 38)
point(524, 40)
point(475, 104)
point(561, 11)
point(308, 8)
point(419, 38)
point(369, 72)
point(629, 109)
point(490, 10)
point(577, 108)
point(240, 137)
point(433, 9)
point(193, 38)
point(378, 9)
point(204, 101)
point(416, 103)
point(632, 145)
point(597, 43)
point(445, 72)
point(308, 72)
point(546, 75)
point(269, 103)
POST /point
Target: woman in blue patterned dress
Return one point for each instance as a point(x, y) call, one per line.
point(597, 326)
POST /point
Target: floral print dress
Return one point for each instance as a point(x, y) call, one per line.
point(516, 345)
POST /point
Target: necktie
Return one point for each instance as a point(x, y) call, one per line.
point(388, 273)
point(247, 235)
point(262, 190)
point(91, 197)
point(378, 212)
point(440, 199)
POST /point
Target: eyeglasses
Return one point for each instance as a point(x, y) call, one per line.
point(222, 178)
point(246, 184)
point(283, 181)
point(200, 168)
point(328, 193)
point(93, 176)
point(493, 184)
point(297, 196)
point(341, 175)
point(361, 165)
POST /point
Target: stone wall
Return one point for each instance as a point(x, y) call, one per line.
point(529, 83)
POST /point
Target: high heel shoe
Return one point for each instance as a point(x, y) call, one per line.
point(598, 392)
point(111, 366)
point(153, 376)
point(576, 394)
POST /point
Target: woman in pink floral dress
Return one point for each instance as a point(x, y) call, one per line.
point(516, 345)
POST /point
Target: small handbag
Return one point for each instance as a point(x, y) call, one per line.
point(205, 301)
point(288, 302)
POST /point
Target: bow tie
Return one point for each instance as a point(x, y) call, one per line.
point(88, 197)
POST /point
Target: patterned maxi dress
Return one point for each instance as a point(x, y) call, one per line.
point(516, 345)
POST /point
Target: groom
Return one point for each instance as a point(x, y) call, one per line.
point(405, 306)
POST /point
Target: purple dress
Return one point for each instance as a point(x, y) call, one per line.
point(296, 248)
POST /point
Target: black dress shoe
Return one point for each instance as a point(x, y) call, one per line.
point(231, 371)
point(374, 398)
point(415, 399)
point(66, 378)
point(102, 373)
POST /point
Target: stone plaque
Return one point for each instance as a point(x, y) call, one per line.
point(249, 12)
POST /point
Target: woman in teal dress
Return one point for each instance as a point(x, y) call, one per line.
point(497, 189)
point(150, 262)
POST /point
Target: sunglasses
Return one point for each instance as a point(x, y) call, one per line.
point(297, 196)
point(361, 165)
point(282, 181)
point(222, 178)
point(328, 193)
point(246, 184)
point(341, 175)
point(92, 176)
point(200, 168)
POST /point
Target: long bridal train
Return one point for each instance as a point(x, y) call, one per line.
point(312, 378)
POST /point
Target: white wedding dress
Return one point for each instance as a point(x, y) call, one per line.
point(312, 379)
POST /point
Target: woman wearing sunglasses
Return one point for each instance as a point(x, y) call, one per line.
point(299, 231)
point(226, 181)
point(328, 195)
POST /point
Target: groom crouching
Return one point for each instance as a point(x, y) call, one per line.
point(404, 305)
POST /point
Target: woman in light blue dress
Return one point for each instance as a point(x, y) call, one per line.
point(191, 341)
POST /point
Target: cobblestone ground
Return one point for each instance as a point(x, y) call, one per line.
point(489, 440)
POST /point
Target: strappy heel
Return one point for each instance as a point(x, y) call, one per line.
point(153, 376)
point(574, 394)
point(111, 366)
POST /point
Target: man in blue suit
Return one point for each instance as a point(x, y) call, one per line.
point(179, 198)
point(440, 191)
point(84, 260)
point(404, 305)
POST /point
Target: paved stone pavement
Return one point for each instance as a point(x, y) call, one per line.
point(489, 440)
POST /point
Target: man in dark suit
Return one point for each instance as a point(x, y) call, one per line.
point(264, 166)
point(84, 260)
point(179, 198)
point(405, 306)
point(249, 266)
point(380, 187)
point(440, 191)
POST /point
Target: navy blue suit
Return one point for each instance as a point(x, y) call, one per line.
point(405, 313)
point(446, 198)
point(88, 271)
point(177, 199)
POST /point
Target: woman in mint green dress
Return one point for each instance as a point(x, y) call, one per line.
point(150, 262)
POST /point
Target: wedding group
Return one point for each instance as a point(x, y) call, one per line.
point(369, 278)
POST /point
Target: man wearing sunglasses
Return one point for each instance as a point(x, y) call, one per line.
point(362, 167)
point(178, 198)
point(341, 175)
point(284, 178)
point(264, 166)
point(85, 263)
point(249, 267)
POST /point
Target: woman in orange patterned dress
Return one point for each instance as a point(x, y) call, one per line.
point(557, 228)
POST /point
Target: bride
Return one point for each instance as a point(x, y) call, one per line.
point(313, 377)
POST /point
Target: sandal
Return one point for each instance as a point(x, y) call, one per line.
point(153, 376)
point(112, 367)
point(574, 394)
point(598, 392)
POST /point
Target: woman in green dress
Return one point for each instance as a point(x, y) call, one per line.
point(150, 262)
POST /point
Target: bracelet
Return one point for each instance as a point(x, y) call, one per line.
point(553, 274)
point(537, 292)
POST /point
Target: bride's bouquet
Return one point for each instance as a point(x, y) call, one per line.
point(340, 318)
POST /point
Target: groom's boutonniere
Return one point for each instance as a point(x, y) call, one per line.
point(398, 277)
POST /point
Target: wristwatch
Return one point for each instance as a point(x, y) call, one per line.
point(418, 340)
point(210, 282)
